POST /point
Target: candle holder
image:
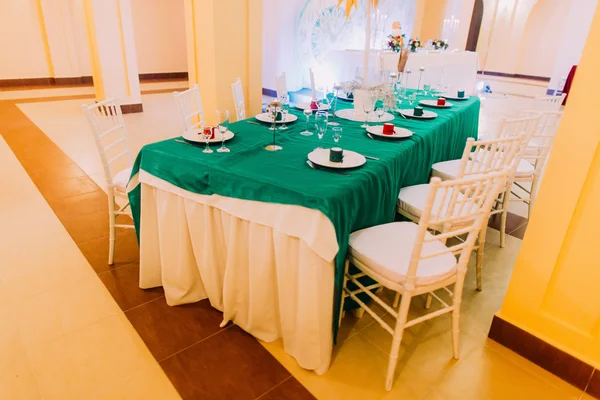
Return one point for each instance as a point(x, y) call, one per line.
point(275, 111)
point(336, 89)
point(407, 73)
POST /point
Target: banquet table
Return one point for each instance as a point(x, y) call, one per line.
point(261, 234)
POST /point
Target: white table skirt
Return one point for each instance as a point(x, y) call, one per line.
point(458, 70)
point(268, 267)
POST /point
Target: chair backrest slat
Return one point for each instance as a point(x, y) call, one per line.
point(189, 103)
point(110, 134)
point(238, 100)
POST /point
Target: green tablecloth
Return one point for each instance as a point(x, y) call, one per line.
point(366, 198)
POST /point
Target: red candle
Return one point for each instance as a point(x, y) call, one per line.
point(441, 101)
point(388, 129)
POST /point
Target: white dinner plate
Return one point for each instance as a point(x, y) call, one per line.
point(306, 106)
point(399, 133)
point(456, 98)
point(268, 118)
point(434, 104)
point(196, 136)
point(348, 114)
point(410, 114)
point(351, 159)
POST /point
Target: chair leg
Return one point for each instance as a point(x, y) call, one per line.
point(346, 267)
point(396, 300)
point(398, 332)
point(112, 229)
point(505, 201)
point(479, 263)
point(428, 301)
point(456, 300)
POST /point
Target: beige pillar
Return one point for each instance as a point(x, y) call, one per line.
point(112, 46)
point(224, 40)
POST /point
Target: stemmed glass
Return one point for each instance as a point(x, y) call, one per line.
point(274, 109)
point(223, 125)
point(379, 111)
point(426, 89)
point(206, 134)
point(285, 109)
point(412, 98)
point(321, 125)
point(337, 133)
point(367, 108)
point(307, 114)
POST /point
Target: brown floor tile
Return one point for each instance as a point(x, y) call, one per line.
point(167, 330)
point(55, 171)
point(86, 228)
point(123, 285)
point(229, 365)
point(513, 221)
point(55, 189)
point(593, 387)
point(80, 204)
point(126, 251)
point(519, 232)
point(291, 389)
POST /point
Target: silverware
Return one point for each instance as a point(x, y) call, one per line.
point(188, 143)
point(254, 123)
point(402, 115)
point(371, 158)
point(313, 166)
point(370, 136)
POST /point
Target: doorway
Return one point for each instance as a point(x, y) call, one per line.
point(475, 27)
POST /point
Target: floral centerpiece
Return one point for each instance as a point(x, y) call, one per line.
point(415, 44)
point(381, 91)
point(440, 44)
point(396, 39)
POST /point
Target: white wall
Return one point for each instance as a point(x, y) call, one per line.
point(159, 28)
point(159, 34)
point(21, 41)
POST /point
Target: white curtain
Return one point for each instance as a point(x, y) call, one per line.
point(268, 267)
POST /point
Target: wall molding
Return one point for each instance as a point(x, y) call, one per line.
point(515, 76)
point(132, 108)
point(82, 80)
point(563, 365)
point(269, 92)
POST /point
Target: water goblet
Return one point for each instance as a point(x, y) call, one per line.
point(321, 125)
point(426, 89)
point(379, 111)
point(222, 126)
point(285, 109)
point(412, 98)
point(207, 132)
point(337, 133)
point(367, 108)
point(307, 113)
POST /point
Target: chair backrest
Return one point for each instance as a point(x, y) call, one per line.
point(538, 147)
point(469, 206)
point(106, 120)
point(238, 100)
point(189, 103)
point(281, 84)
point(548, 103)
point(489, 156)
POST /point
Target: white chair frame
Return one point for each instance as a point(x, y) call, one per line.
point(110, 134)
point(281, 85)
point(465, 215)
point(494, 155)
point(190, 107)
point(549, 103)
point(536, 153)
point(238, 100)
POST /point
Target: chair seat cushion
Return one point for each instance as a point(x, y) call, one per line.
point(525, 169)
point(387, 250)
point(447, 170)
point(412, 200)
point(121, 179)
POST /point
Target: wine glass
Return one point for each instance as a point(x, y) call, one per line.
point(337, 133)
point(321, 125)
point(412, 98)
point(206, 134)
point(223, 125)
point(426, 89)
point(399, 101)
point(367, 108)
point(379, 111)
point(285, 109)
point(307, 113)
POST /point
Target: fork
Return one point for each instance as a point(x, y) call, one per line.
point(313, 166)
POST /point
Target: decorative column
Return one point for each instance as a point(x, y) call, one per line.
point(224, 40)
point(112, 46)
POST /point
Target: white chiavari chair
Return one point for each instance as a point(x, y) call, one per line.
point(548, 103)
point(405, 257)
point(492, 155)
point(106, 120)
point(238, 100)
point(531, 167)
point(189, 103)
point(281, 85)
point(524, 127)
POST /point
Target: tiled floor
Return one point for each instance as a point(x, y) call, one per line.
point(203, 361)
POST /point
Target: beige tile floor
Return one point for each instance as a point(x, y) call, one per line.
point(62, 336)
point(51, 341)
